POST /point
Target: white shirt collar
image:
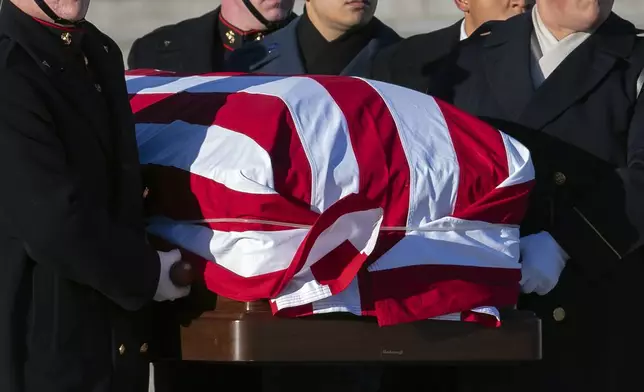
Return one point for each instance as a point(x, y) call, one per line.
point(548, 52)
point(463, 33)
point(546, 40)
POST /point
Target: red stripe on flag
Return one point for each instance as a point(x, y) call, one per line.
point(233, 286)
point(296, 311)
point(181, 195)
point(384, 171)
point(198, 109)
point(483, 166)
point(414, 293)
point(269, 123)
point(484, 319)
point(338, 268)
point(239, 288)
point(139, 102)
point(482, 158)
point(351, 203)
point(504, 205)
point(148, 72)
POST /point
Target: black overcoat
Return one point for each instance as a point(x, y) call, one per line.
point(76, 273)
point(585, 128)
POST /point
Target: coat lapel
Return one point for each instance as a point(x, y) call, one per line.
point(361, 64)
point(579, 73)
point(282, 53)
point(507, 64)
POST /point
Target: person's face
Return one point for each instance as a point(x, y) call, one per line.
point(343, 14)
point(69, 9)
point(274, 10)
point(576, 15)
point(482, 11)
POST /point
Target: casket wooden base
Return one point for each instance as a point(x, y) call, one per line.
point(247, 332)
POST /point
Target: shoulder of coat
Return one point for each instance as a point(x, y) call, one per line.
point(15, 59)
point(485, 29)
point(168, 34)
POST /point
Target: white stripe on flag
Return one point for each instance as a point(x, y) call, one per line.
point(227, 157)
point(247, 253)
point(324, 135)
point(520, 168)
point(175, 85)
point(361, 228)
point(432, 160)
point(347, 300)
point(493, 246)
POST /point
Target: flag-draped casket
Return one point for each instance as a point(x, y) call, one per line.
point(333, 194)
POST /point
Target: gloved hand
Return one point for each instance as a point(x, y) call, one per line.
point(166, 290)
point(543, 260)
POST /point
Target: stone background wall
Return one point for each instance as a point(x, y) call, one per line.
point(125, 20)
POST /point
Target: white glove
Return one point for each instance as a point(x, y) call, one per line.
point(166, 290)
point(543, 260)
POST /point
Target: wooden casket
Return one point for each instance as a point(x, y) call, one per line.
point(248, 332)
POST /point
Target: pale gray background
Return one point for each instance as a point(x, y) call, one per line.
point(125, 20)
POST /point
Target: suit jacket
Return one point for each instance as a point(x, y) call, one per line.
point(279, 53)
point(583, 126)
point(76, 270)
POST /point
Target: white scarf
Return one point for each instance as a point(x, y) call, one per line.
point(548, 52)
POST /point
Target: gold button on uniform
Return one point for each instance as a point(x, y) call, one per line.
point(144, 348)
point(66, 37)
point(559, 314)
point(560, 178)
point(231, 36)
point(122, 349)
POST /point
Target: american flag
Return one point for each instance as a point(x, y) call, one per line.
point(333, 194)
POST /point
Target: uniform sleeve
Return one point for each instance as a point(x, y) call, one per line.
point(45, 205)
point(605, 225)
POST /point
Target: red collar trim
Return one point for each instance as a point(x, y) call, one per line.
point(57, 27)
point(235, 29)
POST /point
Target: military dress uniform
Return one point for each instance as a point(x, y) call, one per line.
point(300, 48)
point(584, 125)
point(76, 272)
point(198, 45)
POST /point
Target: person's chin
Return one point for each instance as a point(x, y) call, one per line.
point(276, 15)
point(74, 15)
point(357, 19)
